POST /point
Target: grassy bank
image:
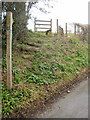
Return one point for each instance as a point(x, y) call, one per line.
point(41, 64)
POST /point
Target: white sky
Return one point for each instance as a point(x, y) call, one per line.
point(66, 11)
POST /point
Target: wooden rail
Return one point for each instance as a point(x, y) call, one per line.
point(43, 24)
point(42, 28)
point(42, 21)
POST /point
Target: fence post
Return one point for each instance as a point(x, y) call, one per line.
point(57, 26)
point(74, 29)
point(34, 24)
point(66, 29)
point(78, 29)
point(51, 25)
point(9, 22)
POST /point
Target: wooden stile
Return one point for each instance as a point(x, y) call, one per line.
point(42, 24)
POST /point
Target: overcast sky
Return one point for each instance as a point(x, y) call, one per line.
point(66, 11)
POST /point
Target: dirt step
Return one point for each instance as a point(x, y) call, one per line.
point(30, 49)
point(27, 56)
point(32, 44)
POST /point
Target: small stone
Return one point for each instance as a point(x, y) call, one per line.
point(68, 91)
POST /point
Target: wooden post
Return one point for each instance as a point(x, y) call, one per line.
point(78, 30)
point(51, 25)
point(66, 29)
point(57, 26)
point(34, 24)
point(0, 58)
point(74, 29)
point(9, 22)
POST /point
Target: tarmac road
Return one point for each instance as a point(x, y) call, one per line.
point(73, 105)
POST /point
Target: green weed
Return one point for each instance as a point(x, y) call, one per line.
point(55, 57)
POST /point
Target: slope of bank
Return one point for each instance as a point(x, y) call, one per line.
point(41, 66)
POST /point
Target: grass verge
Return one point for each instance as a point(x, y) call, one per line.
point(41, 64)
